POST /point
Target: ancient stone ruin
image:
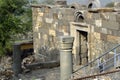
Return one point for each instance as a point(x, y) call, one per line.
point(94, 33)
point(95, 30)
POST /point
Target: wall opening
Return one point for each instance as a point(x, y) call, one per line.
point(82, 39)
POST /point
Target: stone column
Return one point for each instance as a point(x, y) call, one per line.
point(66, 66)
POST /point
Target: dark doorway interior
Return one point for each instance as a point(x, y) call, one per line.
point(82, 46)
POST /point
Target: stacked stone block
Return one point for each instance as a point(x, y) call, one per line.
point(105, 34)
point(48, 24)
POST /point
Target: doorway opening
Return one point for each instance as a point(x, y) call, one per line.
point(82, 39)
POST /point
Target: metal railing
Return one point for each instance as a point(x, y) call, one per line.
point(103, 64)
point(110, 74)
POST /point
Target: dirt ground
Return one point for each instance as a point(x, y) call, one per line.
point(6, 73)
point(42, 74)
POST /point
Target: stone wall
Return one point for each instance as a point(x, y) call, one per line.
point(50, 22)
point(105, 31)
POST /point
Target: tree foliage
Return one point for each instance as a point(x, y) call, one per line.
point(15, 17)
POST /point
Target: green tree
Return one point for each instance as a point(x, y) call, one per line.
point(15, 17)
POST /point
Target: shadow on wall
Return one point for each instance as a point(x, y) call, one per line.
point(48, 54)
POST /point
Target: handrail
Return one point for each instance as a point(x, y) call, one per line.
point(111, 64)
point(97, 58)
point(109, 59)
point(95, 75)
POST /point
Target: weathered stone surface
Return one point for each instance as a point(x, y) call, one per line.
point(41, 14)
point(47, 10)
point(104, 30)
point(66, 11)
point(103, 37)
point(104, 16)
point(113, 39)
point(70, 18)
point(90, 21)
point(52, 32)
point(97, 35)
point(117, 5)
point(111, 16)
point(60, 15)
point(35, 34)
point(39, 35)
point(88, 15)
point(109, 31)
point(60, 2)
point(43, 31)
point(110, 25)
point(55, 25)
point(98, 23)
point(118, 18)
point(49, 20)
point(51, 23)
point(55, 16)
point(96, 16)
point(97, 29)
point(115, 33)
point(69, 11)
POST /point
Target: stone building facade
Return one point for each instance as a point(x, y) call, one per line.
point(50, 22)
point(100, 28)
